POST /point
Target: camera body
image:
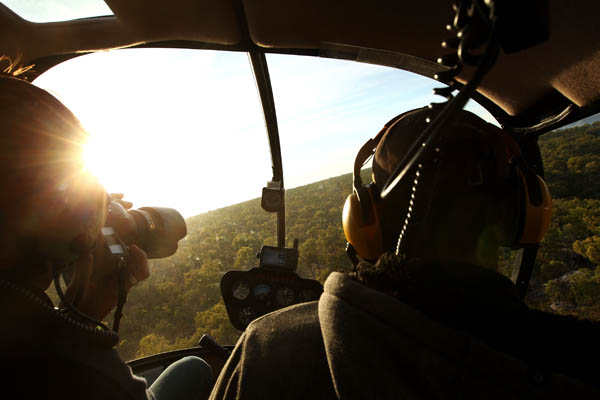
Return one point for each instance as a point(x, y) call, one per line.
point(156, 230)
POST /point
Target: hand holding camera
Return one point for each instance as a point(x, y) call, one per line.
point(93, 288)
point(128, 238)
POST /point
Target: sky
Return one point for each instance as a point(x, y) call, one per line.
point(57, 10)
point(184, 128)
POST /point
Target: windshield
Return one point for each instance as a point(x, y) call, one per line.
point(175, 128)
point(184, 129)
point(57, 10)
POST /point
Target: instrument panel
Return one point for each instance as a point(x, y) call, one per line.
point(250, 294)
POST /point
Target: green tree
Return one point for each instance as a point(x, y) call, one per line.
point(215, 323)
point(589, 248)
point(245, 258)
point(152, 344)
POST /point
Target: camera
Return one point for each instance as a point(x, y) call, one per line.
point(156, 230)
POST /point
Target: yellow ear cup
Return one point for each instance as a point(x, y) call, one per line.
point(537, 217)
point(364, 235)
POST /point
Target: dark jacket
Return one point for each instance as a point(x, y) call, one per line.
point(469, 337)
point(48, 355)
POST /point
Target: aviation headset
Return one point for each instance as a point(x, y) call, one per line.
point(362, 214)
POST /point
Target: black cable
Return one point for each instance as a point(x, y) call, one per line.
point(471, 23)
point(70, 307)
point(106, 336)
point(425, 141)
point(122, 296)
point(410, 211)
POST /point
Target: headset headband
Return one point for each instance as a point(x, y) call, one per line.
point(368, 150)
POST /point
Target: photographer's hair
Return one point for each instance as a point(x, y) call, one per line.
point(13, 68)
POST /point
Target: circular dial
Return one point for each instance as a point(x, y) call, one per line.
point(262, 291)
point(241, 290)
point(284, 296)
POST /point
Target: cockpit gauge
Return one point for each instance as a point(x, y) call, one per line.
point(247, 315)
point(240, 290)
point(250, 294)
point(284, 296)
point(262, 291)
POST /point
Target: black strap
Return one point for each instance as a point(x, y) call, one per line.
point(524, 263)
point(523, 267)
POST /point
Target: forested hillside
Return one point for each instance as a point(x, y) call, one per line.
point(181, 299)
point(567, 277)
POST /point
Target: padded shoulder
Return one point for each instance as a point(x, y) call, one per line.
point(280, 355)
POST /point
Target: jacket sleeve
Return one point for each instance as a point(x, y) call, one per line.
point(280, 355)
point(229, 383)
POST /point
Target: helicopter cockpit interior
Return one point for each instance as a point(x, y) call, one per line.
point(533, 71)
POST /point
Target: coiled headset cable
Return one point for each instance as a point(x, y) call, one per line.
point(68, 307)
point(105, 335)
point(475, 26)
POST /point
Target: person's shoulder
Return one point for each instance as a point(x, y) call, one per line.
point(301, 319)
point(280, 355)
point(291, 335)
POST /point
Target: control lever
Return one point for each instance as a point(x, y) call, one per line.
point(207, 342)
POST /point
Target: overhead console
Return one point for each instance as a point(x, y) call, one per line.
point(272, 285)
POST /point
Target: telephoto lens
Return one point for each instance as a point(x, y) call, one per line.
point(156, 230)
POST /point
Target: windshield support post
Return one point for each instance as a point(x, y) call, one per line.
point(265, 91)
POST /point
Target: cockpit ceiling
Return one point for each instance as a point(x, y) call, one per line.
point(567, 64)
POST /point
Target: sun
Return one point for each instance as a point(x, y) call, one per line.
point(95, 157)
point(114, 160)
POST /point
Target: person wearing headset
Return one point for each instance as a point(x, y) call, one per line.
point(425, 314)
point(52, 211)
